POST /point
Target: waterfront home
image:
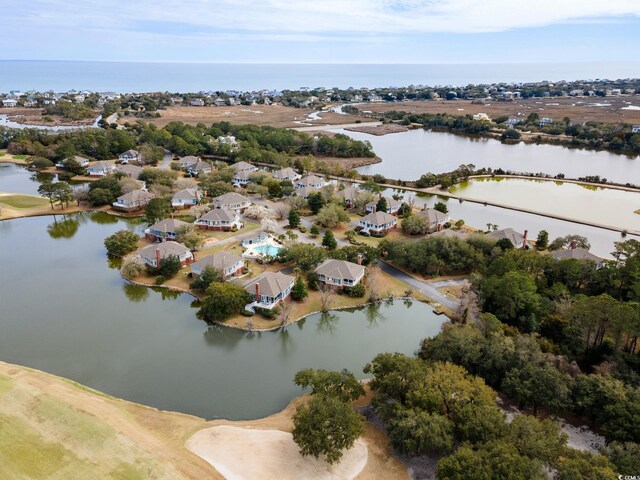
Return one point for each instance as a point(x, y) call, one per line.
point(305, 192)
point(185, 198)
point(134, 200)
point(9, 103)
point(517, 239)
point(349, 195)
point(241, 179)
point(131, 171)
point(310, 181)
point(200, 167)
point(581, 254)
point(197, 102)
point(544, 121)
point(154, 254)
point(30, 103)
point(286, 174)
point(130, 156)
point(393, 206)
point(377, 223)
point(243, 167)
point(219, 102)
point(635, 129)
point(219, 219)
point(100, 169)
point(187, 162)
point(232, 201)
point(340, 273)
point(434, 218)
point(269, 289)
point(164, 229)
point(512, 121)
point(230, 264)
point(83, 162)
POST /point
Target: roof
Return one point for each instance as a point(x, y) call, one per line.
point(577, 254)
point(186, 193)
point(348, 193)
point(391, 203)
point(240, 166)
point(168, 225)
point(218, 215)
point(130, 153)
point(165, 248)
point(378, 218)
point(201, 166)
point(77, 159)
point(135, 196)
point(242, 175)
point(188, 160)
point(310, 180)
point(304, 192)
point(229, 198)
point(340, 269)
point(285, 173)
point(129, 170)
point(433, 216)
point(271, 283)
point(218, 260)
point(447, 232)
point(101, 165)
point(516, 238)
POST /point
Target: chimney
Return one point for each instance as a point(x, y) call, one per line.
point(158, 258)
point(524, 242)
point(573, 245)
point(359, 259)
point(258, 292)
point(193, 255)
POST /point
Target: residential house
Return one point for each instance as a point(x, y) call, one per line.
point(377, 222)
point(228, 140)
point(435, 219)
point(286, 174)
point(29, 103)
point(512, 121)
point(9, 103)
point(393, 206)
point(518, 239)
point(340, 273)
point(164, 229)
point(219, 219)
point(188, 162)
point(349, 195)
point(196, 102)
point(154, 254)
point(310, 181)
point(232, 201)
point(305, 192)
point(186, 198)
point(219, 102)
point(243, 167)
point(131, 171)
point(100, 169)
point(635, 129)
point(544, 121)
point(241, 179)
point(200, 167)
point(130, 156)
point(269, 289)
point(482, 117)
point(581, 254)
point(260, 238)
point(134, 200)
point(83, 162)
point(230, 264)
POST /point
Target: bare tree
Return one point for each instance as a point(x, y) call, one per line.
point(327, 296)
point(249, 324)
point(281, 210)
point(371, 282)
point(81, 195)
point(285, 312)
point(199, 210)
point(469, 307)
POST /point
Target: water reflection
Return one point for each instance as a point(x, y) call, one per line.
point(327, 323)
point(66, 228)
point(135, 293)
point(103, 218)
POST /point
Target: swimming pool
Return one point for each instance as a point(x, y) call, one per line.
point(267, 249)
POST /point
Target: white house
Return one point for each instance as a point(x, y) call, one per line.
point(219, 219)
point(340, 273)
point(200, 167)
point(393, 205)
point(269, 289)
point(228, 140)
point(164, 229)
point(188, 162)
point(232, 201)
point(100, 169)
point(377, 222)
point(286, 174)
point(482, 117)
point(83, 162)
point(243, 167)
point(230, 264)
point(9, 103)
point(134, 200)
point(635, 129)
point(186, 198)
point(242, 179)
point(512, 121)
point(154, 254)
point(130, 156)
point(545, 121)
point(197, 102)
point(310, 181)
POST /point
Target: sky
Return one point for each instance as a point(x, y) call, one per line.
point(321, 31)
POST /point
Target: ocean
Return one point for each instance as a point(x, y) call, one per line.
point(121, 77)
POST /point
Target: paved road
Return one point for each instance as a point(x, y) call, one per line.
point(166, 161)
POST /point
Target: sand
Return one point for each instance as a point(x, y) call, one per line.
point(245, 453)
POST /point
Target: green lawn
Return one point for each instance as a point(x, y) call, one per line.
point(23, 201)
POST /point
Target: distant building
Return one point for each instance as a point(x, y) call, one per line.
point(578, 254)
point(349, 195)
point(232, 201)
point(100, 169)
point(9, 103)
point(200, 167)
point(83, 162)
point(131, 171)
point(310, 181)
point(243, 167)
point(517, 239)
point(482, 117)
point(188, 162)
point(512, 121)
point(544, 121)
point(286, 174)
point(393, 205)
point(196, 102)
point(130, 156)
point(635, 129)
point(434, 218)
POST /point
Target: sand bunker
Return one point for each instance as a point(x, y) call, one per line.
point(247, 454)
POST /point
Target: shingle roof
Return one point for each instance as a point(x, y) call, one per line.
point(378, 218)
point(165, 248)
point(348, 193)
point(186, 193)
point(391, 203)
point(218, 215)
point(310, 180)
point(130, 153)
point(131, 170)
point(229, 198)
point(304, 192)
point(285, 173)
point(240, 166)
point(168, 225)
point(188, 160)
point(433, 216)
point(516, 238)
point(577, 254)
point(271, 283)
point(218, 260)
point(340, 269)
point(135, 196)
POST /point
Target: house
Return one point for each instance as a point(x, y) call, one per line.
point(393, 205)
point(349, 195)
point(130, 171)
point(134, 200)
point(340, 273)
point(305, 192)
point(130, 156)
point(219, 102)
point(83, 162)
point(241, 179)
point(377, 222)
point(100, 169)
point(153, 254)
point(29, 103)
point(230, 264)
point(544, 121)
point(518, 239)
point(185, 198)
point(635, 129)
point(9, 103)
point(219, 219)
point(243, 167)
point(286, 174)
point(269, 289)
point(581, 254)
point(164, 229)
point(310, 181)
point(482, 117)
point(228, 140)
point(196, 102)
point(512, 121)
point(188, 162)
point(576, 93)
point(200, 167)
point(232, 201)
point(262, 237)
point(435, 219)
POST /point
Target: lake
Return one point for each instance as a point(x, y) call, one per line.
point(17, 179)
point(407, 155)
point(65, 311)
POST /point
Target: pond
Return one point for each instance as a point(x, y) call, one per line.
point(407, 155)
point(65, 311)
point(17, 179)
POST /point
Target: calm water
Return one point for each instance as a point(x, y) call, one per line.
point(17, 179)
point(193, 77)
point(407, 155)
point(79, 319)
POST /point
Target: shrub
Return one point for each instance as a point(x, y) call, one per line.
point(160, 279)
point(121, 243)
point(132, 268)
point(357, 291)
point(169, 266)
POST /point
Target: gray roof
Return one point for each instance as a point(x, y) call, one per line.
point(136, 196)
point(242, 175)
point(516, 238)
point(241, 166)
point(130, 153)
point(168, 225)
point(188, 160)
point(378, 218)
point(201, 166)
point(271, 283)
point(340, 269)
point(577, 254)
point(285, 173)
point(229, 198)
point(391, 203)
point(218, 260)
point(77, 159)
point(165, 248)
point(186, 193)
point(310, 180)
point(348, 193)
point(130, 170)
point(101, 166)
point(433, 216)
point(218, 215)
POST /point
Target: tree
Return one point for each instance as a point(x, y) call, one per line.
point(132, 268)
point(562, 242)
point(169, 266)
point(511, 297)
point(538, 439)
point(223, 300)
point(316, 202)
point(299, 291)
point(209, 275)
point(329, 240)
point(47, 190)
point(327, 294)
point(414, 225)
point(441, 207)
point(294, 219)
point(62, 193)
point(101, 196)
point(305, 255)
point(314, 231)
point(332, 216)
point(624, 455)
point(215, 188)
point(578, 465)
point(158, 209)
point(326, 426)
point(542, 241)
point(187, 235)
point(39, 163)
point(382, 206)
point(504, 244)
point(121, 243)
point(415, 431)
point(342, 385)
